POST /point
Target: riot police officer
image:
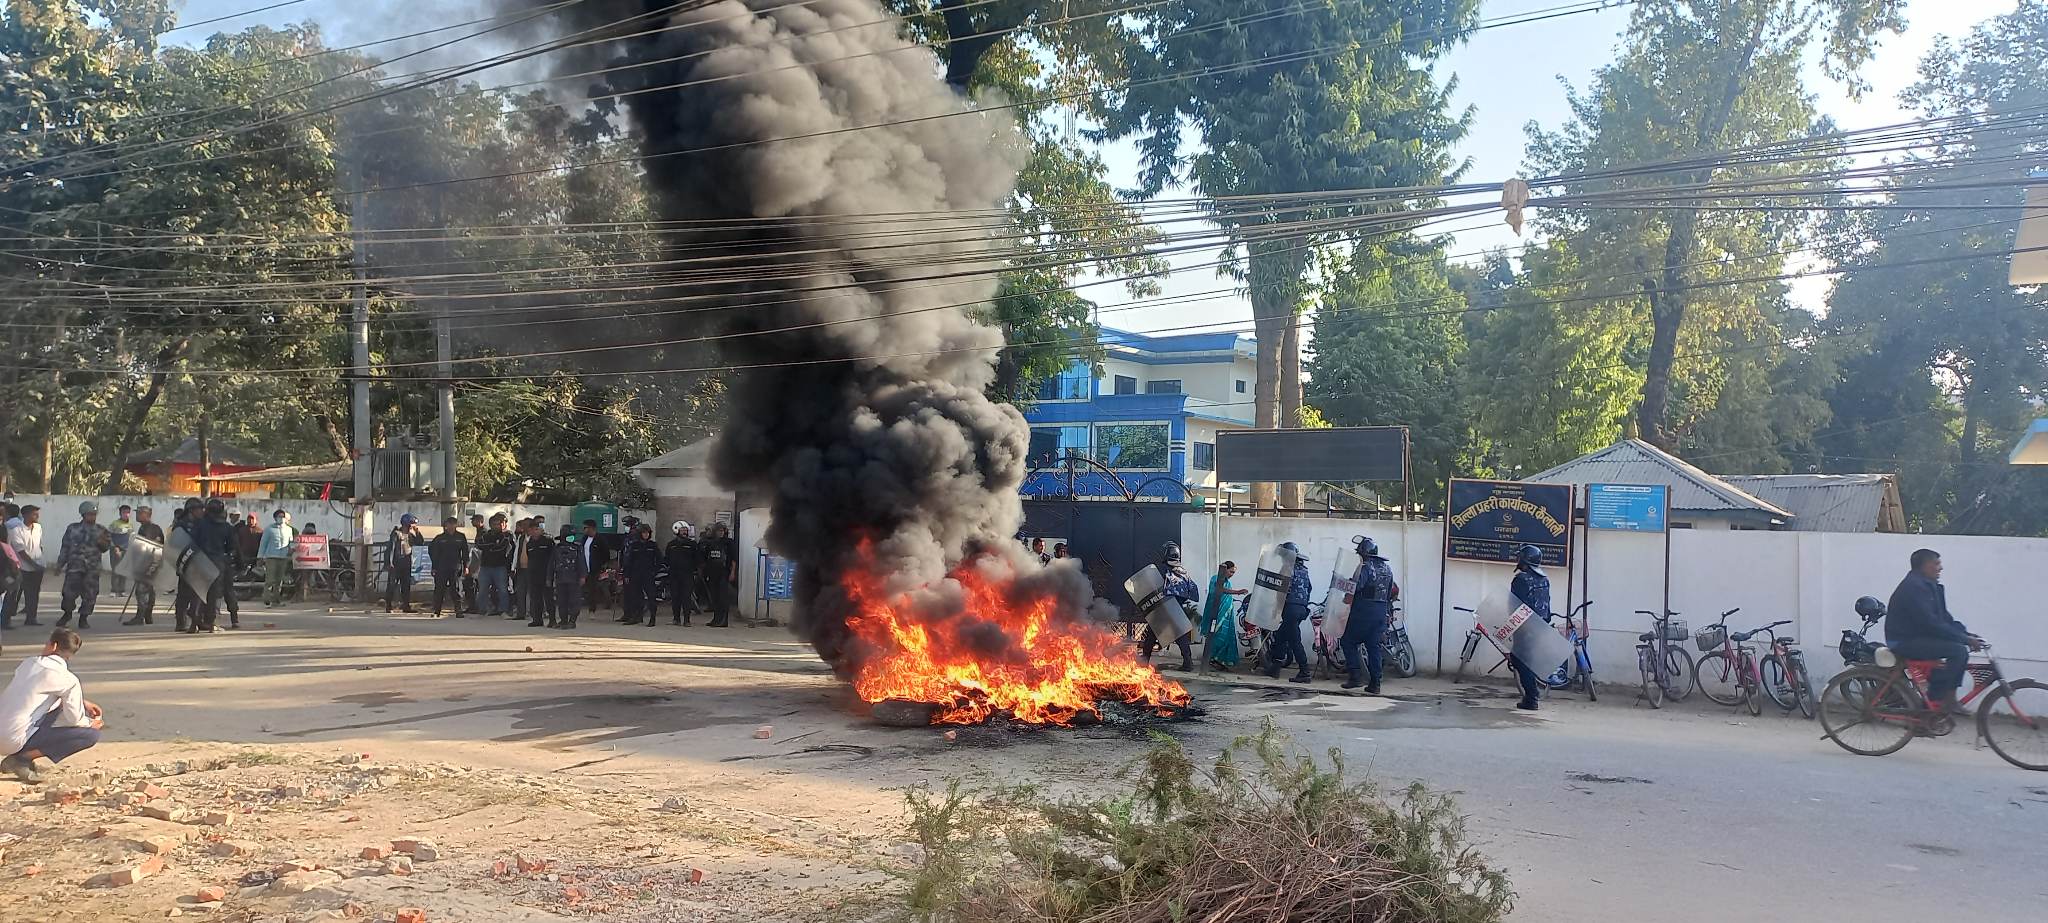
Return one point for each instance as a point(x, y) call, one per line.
point(1371, 599)
point(1180, 591)
point(1531, 588)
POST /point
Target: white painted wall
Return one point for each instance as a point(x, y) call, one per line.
point(1995, 585)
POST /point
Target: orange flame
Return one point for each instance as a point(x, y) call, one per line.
point(1055, 670)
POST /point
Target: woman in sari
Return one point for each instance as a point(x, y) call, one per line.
point(1219, 621)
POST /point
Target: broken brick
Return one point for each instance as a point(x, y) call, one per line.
point(127, 876)
point(63, 796)
point(764, 732)
point(162, 810)
point(216, 818)
point(305, 880)
point(31, 871)
point(133, 799)
point(398, 865)
point(530, 866)
point(499, 868)
point(297, 865)
point(696, 876)
point(235, 848)
point(375, 853)
point(410, 915)
point(156, 845)
point(210, 894)
point(150, 791)
point(574, 894)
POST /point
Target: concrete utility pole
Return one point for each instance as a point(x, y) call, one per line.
point(359, 399)
point(444, 349)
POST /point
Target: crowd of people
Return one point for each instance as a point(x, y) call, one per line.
point(520, 571)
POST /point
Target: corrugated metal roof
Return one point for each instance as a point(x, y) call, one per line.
point(695, 455)
point(1831, 502)
point(1633, 461)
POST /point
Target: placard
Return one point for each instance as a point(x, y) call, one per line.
point(781, 580)
point(1488, 520)
point(309, 552)
point(1628, 507)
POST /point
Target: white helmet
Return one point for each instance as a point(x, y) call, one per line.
point(679, 527)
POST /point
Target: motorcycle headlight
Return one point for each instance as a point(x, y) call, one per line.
point(1884, 657)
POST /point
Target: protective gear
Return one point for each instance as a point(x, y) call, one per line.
point(88, 508)
point(1291, 549)
point(407, 519)
point(679, 527)
point(1367, 548)
point(1528, 556)
point(215, 506)
point(1870, 608)
point(1170, 553)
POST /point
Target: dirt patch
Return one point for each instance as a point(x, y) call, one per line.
point(501, 846)
point(1606, 780)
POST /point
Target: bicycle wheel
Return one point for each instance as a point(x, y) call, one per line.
point(1801, 683)
point(1776, 684)
point(1859, 708)
point(1586, 677)
point(1465, 656)
point(2014, 721)
point(1653, 686)
point(1718, 680)
point(1678, 674)
point(1752, 697)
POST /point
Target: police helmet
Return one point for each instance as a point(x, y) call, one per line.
point(1870, 608)
point(1294, 551)
point(213, 505)
point(1528, 556)
point(1169, 551)
point(1367, 548)
point(679, 527)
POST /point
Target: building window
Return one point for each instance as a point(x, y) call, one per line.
point(1125, 384)
point(1077, 383)
point(1205, 456)
point(1240, 386)
point(1050, 444)
point(1163, 386)
point(1132, 445)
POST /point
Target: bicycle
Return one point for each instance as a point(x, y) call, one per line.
point(1727, 673)
point(1577, 669)
point(1670, 674)
point(1886, 703)
point(1785, 677)
point(1471, 648)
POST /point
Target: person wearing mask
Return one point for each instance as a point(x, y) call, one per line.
point(1180, 591)
point(1531, 588)
point(1918, 626)
point(569, 562)
point(536, 557)
point(447, 556)
point(1219, 623)
point(275, 551)
point(78, 554)
point(640, 565)
point(121, 528)
point(44, 713)
point(682, 574)
point(721, 570)
point(1371, 599)
point(398, 548)
point(1288, 638)
point(472, 569)
point(494, 547)
point(145, 591)
point(25, 536)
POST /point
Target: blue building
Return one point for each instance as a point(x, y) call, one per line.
point(1151, 415)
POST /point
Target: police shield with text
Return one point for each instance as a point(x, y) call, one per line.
point(1532, 588)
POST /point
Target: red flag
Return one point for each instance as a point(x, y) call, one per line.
point(327, 491)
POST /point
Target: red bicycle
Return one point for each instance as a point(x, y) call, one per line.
point(1878, 708)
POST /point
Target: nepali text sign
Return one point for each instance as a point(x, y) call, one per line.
point(1488, 520)
point(309, 552)
point(781, 581)
point(1628, 507)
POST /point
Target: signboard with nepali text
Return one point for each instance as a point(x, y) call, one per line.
point(1488, 520)
point(1627, 507)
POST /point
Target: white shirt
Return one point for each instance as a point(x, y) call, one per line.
point(41, 685)
point(28, 543)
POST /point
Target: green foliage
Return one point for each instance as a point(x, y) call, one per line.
point(1260, 827)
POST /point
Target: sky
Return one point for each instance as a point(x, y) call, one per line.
point(1509, 75)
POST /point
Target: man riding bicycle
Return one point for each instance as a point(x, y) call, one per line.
point(1918, 626)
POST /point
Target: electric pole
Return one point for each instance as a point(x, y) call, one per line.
point(444, 349)
point(359, 373)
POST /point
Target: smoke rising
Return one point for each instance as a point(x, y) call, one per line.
point(881, 452)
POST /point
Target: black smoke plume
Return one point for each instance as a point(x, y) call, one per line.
point(868, 428)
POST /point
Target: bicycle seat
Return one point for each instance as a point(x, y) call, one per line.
point(1788, 641)
point(1647, 636)
point(1923, 664)
point(1743, 635)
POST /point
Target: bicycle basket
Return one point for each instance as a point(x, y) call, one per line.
point(1676, 630)
point(1711, 638)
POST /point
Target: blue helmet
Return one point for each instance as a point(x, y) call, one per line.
point(1528, 556)
point(1367, 548)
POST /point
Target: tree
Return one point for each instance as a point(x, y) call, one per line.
point(1285, 97)
point(1694, 77)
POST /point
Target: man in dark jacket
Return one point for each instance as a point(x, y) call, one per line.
point(398, 562)
point(568, 566)
point(449, 555)
point(1371, 599)
point(682, 575)
point(494, 563)
point(1531, 587)
point(144, 590)
point(1918, 626)
point(720, 571)
point(536, 596)
point(214, 536)
point(640, 563)
point(1287, 640)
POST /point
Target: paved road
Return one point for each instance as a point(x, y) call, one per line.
point(1600, 813)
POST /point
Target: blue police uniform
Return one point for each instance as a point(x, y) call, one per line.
point(1372, 603)
point(1532, 588)
point(1291, 618)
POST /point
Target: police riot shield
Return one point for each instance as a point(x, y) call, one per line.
point(1517, 630)
point(1336, 612)
point(141, 562)
point(1268, 596)
point(1162, 613)
point(187, 563)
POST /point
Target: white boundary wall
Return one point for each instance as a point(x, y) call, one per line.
point(333, 517)
point(1995, 585)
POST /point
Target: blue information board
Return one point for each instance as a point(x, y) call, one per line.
point(781, 579)
point(1628, 507)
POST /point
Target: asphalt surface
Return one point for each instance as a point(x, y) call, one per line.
point(1598, 812)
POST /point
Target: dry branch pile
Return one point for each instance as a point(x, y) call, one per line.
point(1262, 836)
